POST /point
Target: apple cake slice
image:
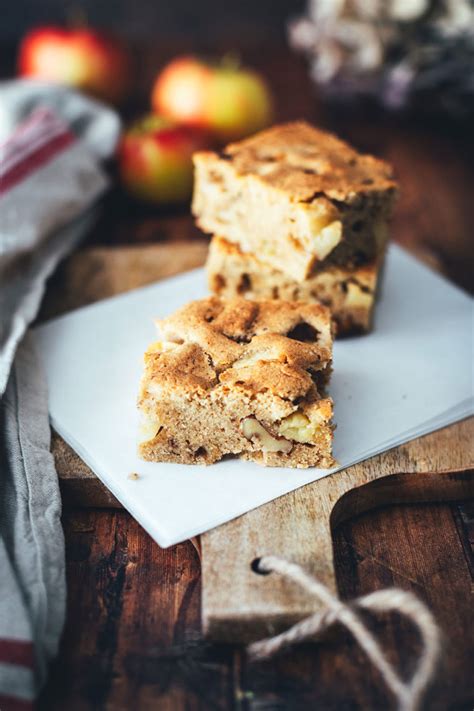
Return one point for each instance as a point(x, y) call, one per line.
point(239, 377)
point(295, 196)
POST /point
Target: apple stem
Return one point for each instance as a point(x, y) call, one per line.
point(231, 60)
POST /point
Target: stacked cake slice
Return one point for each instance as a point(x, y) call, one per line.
point(296, 214)
point(298, 218)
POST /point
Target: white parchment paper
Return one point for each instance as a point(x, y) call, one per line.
point(412, 375)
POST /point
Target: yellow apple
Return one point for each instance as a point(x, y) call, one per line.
point(229, 102)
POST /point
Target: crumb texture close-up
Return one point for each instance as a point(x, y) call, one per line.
point(349, 292)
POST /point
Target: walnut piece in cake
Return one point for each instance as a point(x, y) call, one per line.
point(295, 196)
point(349, 292)
point(239, 377)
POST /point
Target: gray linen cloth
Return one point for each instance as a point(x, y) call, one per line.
point(52, 141)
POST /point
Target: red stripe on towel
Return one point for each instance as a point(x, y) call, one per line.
point(16, 651)
point(45, 135)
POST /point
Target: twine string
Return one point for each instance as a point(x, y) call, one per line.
point(408, 693)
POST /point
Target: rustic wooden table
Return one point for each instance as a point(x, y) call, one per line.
point(132, 636)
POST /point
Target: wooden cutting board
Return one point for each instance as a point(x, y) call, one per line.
point(238, 603)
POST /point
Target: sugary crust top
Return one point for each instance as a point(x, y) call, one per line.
point(269, 346)
point(306, 163)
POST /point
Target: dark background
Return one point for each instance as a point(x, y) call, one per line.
point(206, 21)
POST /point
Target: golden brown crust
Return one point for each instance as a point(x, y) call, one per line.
point(234, 333)
point(189, 362)
point(306, 162)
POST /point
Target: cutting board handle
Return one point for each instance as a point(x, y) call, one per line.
point(239, 603)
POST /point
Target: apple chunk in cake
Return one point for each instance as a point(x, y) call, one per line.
point(239, 377)
point(295, 196)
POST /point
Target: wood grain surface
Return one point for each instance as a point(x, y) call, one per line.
point(133, 637)
point(239, 604)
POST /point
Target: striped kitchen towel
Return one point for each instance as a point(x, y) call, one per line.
point(50, 182)
point(49, 177)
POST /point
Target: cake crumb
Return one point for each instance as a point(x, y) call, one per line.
point(133, 476)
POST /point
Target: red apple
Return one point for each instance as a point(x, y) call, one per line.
point(227, 101)
point(155, 159)
point(83, 58)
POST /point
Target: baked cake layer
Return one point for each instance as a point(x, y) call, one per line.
point(238, 377)
point(349, 292)
point(295, 196)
